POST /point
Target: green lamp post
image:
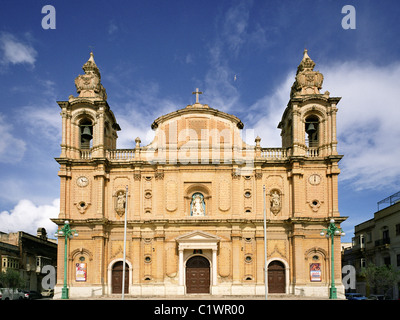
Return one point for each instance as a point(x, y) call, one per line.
point(331, 232)
point(67, 233)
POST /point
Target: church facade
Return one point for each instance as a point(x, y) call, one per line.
point(194, 198)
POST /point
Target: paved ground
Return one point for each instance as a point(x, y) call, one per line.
point(204, 297)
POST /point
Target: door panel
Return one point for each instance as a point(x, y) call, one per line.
point(198, 275)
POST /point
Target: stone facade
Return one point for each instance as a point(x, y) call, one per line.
point(197, 191)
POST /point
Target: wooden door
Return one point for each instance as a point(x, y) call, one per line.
point(197, 275)
point(116, 282)
point(276, 277)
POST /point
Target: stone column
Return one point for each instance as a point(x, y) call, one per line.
point(181, 267)
point(214, 267)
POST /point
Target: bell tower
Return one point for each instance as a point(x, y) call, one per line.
point(89, 126)
point(309, 122)
point(309, 136)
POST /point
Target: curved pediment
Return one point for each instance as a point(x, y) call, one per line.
point(198, 132)
point(197, 110)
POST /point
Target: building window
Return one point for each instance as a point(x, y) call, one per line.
point(398, 229)
point(398, 260)
point(362, 241)
point(385, 234)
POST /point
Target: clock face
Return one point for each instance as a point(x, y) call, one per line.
point(314, 179)
point(82, 181)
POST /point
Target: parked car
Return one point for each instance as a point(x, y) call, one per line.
point(48, 293)
point(33, 295)
point(355, 296)
point(10, 294)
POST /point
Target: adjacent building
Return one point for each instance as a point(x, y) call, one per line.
point(377, 241)
point(28, 254)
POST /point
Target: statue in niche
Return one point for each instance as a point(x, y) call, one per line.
point(197, 206)
point(120, 203)
point(275, 202)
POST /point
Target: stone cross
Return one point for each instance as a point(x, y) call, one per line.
point(197, 92)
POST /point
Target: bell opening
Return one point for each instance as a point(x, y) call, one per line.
point(311, 130)
point(86, 134)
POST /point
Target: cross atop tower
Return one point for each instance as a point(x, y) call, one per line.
point(197, 92)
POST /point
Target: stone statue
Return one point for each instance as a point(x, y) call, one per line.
point(307, 80)
point(89, 85)
point(197, 206)
point(275, 202)
point(120, 203)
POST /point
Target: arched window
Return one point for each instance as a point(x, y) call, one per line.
point(312, 134)
point(197, 205)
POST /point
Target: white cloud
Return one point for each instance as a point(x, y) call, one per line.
point(367, 122)
point(112, 27)
point(12, 149)
point(235, 26)
point(235, 31)
point(136, 116)
point(26, 216)
point(15, 51)
point(265, 115)
point(42, 122)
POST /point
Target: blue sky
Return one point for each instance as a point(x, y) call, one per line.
point(153, 54)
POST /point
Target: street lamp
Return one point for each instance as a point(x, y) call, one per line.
point(331, 232)
point(67, 233)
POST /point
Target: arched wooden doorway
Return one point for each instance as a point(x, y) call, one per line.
point(198, 275)
point(276, 277)
point(116, 278)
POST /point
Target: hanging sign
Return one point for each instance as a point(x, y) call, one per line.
point(81, 270)
point(315, 272)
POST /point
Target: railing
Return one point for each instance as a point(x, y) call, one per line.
point(382, 242)
point(120, 154)
point(86, 154)
point(274, 153)
point(266, 153)
point(312, 152)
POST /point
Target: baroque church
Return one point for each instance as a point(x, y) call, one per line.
point(194, 198)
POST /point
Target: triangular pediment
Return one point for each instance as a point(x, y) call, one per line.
point(197, 236)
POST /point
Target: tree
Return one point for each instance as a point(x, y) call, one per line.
point(380, 279)
point(11, 279)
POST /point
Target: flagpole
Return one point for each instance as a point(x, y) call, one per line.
point(265, 247)
point(124, 256)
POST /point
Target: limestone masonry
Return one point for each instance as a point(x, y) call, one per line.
point(195, 198)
